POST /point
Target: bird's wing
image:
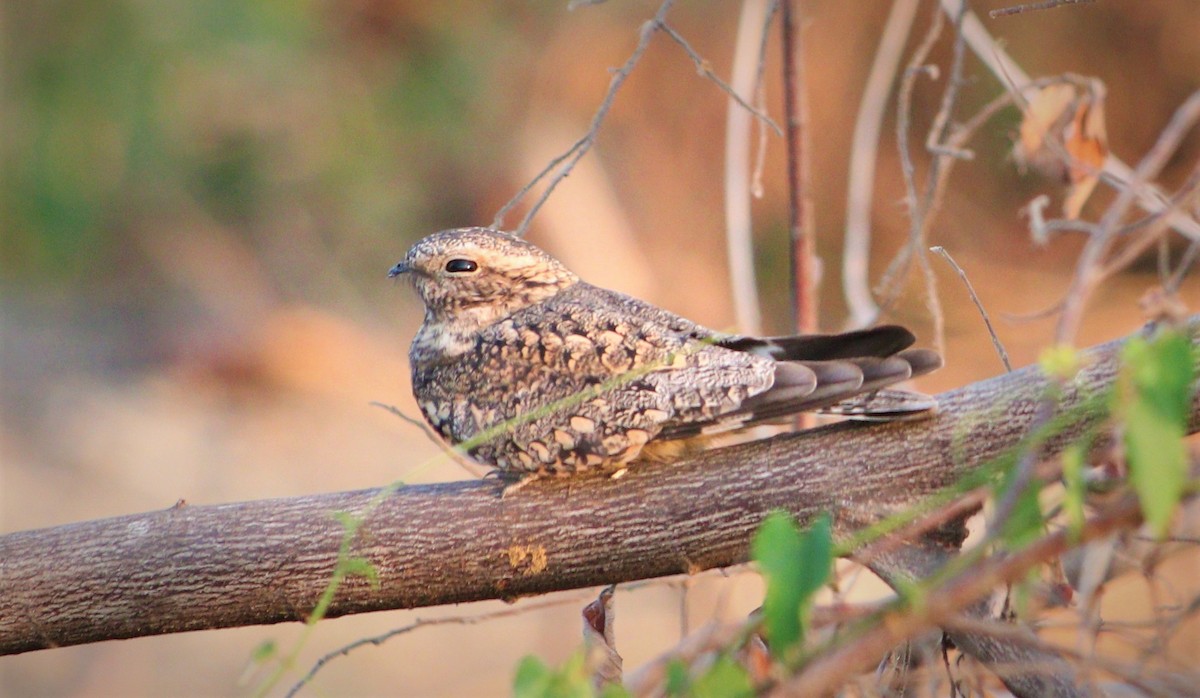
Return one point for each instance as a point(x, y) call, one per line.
point(802, 386)
point(881, 341)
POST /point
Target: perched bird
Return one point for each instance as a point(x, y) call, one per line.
point(535, 372)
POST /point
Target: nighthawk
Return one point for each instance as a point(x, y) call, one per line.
point(533, 371)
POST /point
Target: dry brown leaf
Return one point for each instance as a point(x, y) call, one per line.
point(1044, 112)
point(1087, 143)
point(1159, 305)
point(603, 661)
point(756, 658)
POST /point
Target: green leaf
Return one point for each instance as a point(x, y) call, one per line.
point(678, 681)
point(350, 522)
point(361, 567)
point(1024, 591)
point(1155, 400)
point(614, 690)
point(1024, 523)
point(1072, 464)
point(533, 678)
point(724, 679)
point(1060, 361)
point(266, 649)
point(796, 566)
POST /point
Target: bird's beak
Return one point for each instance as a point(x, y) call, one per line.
point(400, 268)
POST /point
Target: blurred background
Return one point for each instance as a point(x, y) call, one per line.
point(200, 202)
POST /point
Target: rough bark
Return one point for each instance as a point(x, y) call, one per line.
point(198, 567)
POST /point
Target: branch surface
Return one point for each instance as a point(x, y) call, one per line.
point(200, 567)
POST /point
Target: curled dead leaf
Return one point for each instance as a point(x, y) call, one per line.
point(1043, 115)
point(603, 661)
point(1159, 305)
point(1071, 115)
point(1086, 141)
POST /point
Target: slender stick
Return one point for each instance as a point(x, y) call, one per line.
point(987, 321)
point(864, 150)
point(804, 287)
point(740, 245)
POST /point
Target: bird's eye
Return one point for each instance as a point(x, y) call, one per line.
point(461, 266)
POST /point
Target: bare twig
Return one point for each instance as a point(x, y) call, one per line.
point(1034, 6)
point(957, 508)
point(453, 455)
point(705, 70)
point(1152, 228)
point(922, 211)
point(897, 270)
point(864, 150)
point(746, 63)
point(760, 100)
point(803, 248)
point(473, 619)
point(1185, 263)
point(648, 680)
point(987, 321)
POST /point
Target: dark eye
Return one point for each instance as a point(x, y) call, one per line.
point(461, 266)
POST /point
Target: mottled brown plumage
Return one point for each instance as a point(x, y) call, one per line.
point(535, 371)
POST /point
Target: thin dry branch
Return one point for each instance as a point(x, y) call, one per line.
point(800, 213)
point(987, 320)
point(199, 567)
point(864, 149)
point(897, 269)
point(378, 640)
point(1033, 7)
point(745, 78)
point(944, 149)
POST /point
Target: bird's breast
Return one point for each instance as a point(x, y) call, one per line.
point(437, 342)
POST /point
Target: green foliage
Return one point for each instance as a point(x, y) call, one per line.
point(535, 679)
point(796, 565)
point(1072, 466)
point(1060, 362)
point(348, 565)
point(614, 690)
point(678, 682)
point(266, 650)
point(1024, 524)
point(361, 567)
point(1154, 398)
point(350, 522)
point(724, 679)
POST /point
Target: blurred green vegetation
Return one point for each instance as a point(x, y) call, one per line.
point(125, 119)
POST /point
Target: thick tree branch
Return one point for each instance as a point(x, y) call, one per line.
point(197, 567)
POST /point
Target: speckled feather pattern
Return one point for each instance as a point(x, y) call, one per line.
point(581, 377)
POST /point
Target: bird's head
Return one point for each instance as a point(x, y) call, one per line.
point(480, 275)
